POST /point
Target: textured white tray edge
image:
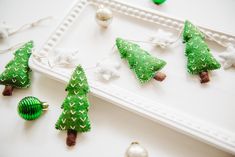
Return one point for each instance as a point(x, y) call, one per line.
point(155, 111)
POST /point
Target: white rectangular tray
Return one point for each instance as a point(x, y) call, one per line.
point(205, 112)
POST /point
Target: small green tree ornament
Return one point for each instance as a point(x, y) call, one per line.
point(140, 61)
point(17, 73)
point(74, 117)
point(200, 60)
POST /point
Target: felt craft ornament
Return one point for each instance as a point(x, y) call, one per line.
point(64, 58)
point(228, 57)
point(140, 61)
point(200, 60)
point(17, 73)
point(108, 69)
point(74, 117)
point(163, 39)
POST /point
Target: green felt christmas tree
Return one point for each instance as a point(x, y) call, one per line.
point(17, 73)
point(140, 61)
point(200, 60)
point(75, 107)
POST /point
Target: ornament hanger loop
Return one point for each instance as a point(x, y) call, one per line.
point(30, 25)
point(159, 43)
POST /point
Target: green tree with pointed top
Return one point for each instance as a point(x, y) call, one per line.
point(140, 61)
point(17, 73)
point(78, 82)
point(191, 31)
point(200, 60)
point(74, 117)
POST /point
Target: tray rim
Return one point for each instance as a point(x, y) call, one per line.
point(162, 115)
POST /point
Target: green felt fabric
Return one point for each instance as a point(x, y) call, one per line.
point(78, 82)
point(140, 61)
point(191, 31)
point(76, 105)
point(199, 57)
point(17, 73)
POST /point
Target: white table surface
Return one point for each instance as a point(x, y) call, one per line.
point(113, 128)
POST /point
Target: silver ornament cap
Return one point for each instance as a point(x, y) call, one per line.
point(136, 150)
point(104, 16)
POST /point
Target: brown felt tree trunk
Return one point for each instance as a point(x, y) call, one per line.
point(7, 90)
point(204, 77)
point(160, 76)
point(71, 137)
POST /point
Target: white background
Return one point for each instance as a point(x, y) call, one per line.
point(113, 129)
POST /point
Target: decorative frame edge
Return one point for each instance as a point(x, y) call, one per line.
point(154, 112)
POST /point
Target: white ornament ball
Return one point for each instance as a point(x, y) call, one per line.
point(104, 16)
point(136, 150)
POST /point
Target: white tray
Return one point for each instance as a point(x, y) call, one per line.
point(205, 112)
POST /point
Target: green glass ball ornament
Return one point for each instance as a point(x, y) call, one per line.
point(31, 108)
point(159, 1)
